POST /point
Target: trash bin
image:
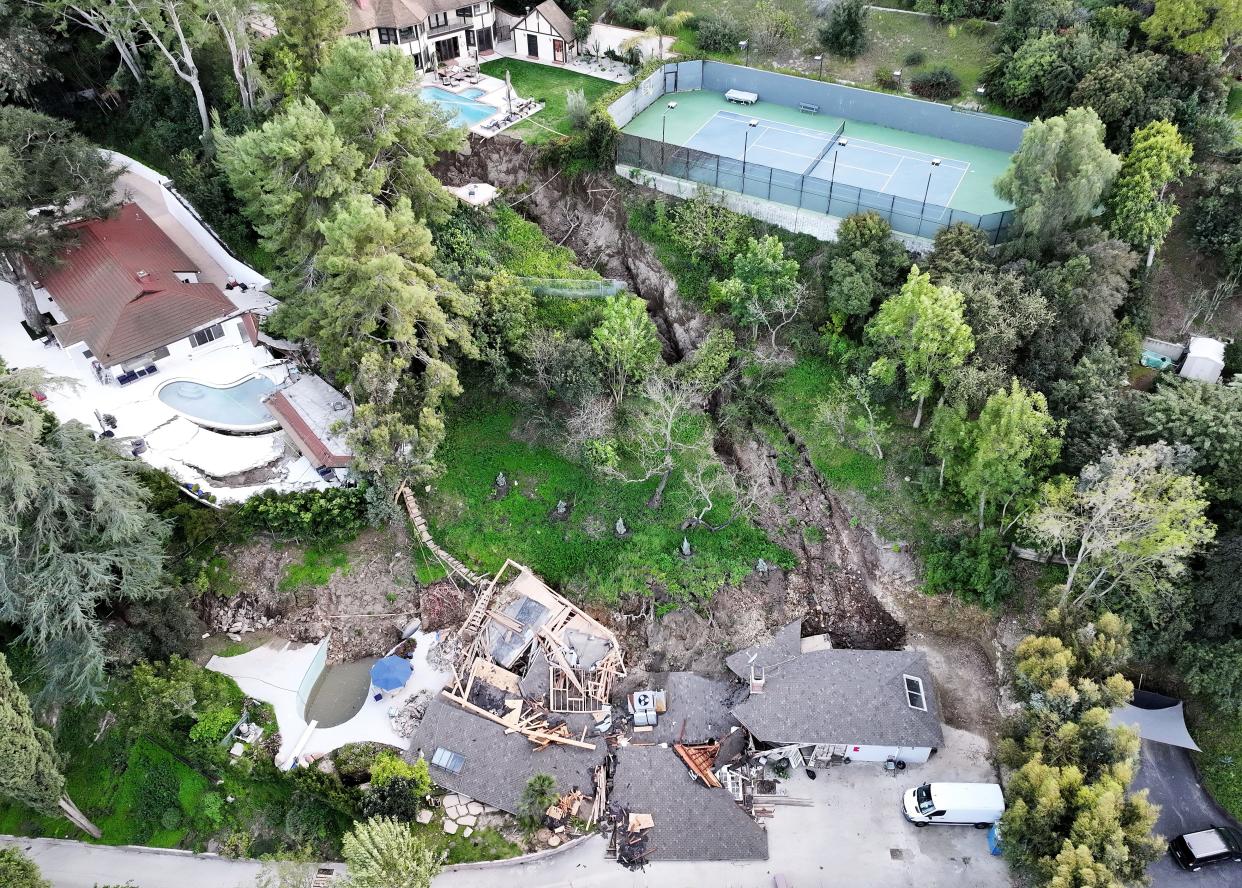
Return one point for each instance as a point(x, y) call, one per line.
point(994, 840)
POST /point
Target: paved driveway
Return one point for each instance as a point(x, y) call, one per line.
point(1185, 806)
point(853, 836)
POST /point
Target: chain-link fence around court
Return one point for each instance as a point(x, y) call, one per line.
point(907, 216)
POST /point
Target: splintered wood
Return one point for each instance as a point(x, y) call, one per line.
point(700, 760)
point(537, 730)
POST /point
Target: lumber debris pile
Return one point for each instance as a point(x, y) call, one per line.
point(630, 844)
point(700, 760)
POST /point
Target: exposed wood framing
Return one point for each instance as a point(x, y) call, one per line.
point(540, 738)
point(700, 760)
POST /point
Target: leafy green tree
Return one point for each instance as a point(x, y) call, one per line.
point(1125, 88)
point(390, 766)
point(1058, 174)
point(23, 52)
point(1210, 27)
point(943, 10)
point(1158, 157)
point(1092, 403)
point(709, 233)
point(1025, 17)
point(764, 290)
point(1003, 313)
point(1076, 867)
point(307, 29)
point(538, 795)
point(626, 342)
point(29, 767)
point(1126, 528)
point(1217, 216)
point(44, 164)
point(505, 320)
point(1013, 444)
point(1208, 419)
point(659, 22)
point(920, 331)
point(871, 233)
point(75, 534)
point(1039, 75)
point(386, 853)
point(582, 27)
point(844, 31)
point(973, 567)
point(19, 871)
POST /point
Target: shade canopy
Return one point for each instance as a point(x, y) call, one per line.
point(1157, 718)
point(391, 673)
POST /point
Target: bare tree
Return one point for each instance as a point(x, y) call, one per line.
point(709, 481)
point(109, 19)
point(657, 431)
point(167, 23)
point(776, 309)
point(233, 19)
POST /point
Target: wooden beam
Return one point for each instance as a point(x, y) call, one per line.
point(532, 734)
point(554, 647)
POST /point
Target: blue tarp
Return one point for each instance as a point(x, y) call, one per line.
point(391, 673)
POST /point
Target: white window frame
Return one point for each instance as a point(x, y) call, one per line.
point(910, 694)
point(449, 759)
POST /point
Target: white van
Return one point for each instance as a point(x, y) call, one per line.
point(961, 804)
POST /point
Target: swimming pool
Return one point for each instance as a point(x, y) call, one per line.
point(466, 111)
point(234, 408)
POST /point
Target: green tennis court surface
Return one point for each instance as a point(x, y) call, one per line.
point(882, 159)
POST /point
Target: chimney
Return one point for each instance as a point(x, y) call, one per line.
point(756, 680)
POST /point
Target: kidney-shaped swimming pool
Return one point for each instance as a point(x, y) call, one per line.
point(234, 408)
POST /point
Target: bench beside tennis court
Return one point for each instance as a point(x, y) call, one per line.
point(914, 170)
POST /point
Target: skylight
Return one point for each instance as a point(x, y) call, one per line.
point(914, 693)
point(448, 760)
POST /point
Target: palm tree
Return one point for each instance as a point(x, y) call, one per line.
point(659, 23)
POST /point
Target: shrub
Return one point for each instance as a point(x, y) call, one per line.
point(885, 79)
point(214, 724)
point(399, 797)
point(1233, 358)
point(537, 797)
point(354, 760)
point(719, 32)
point(390, 766)
point(844, 32)
point(306, 820)
point(171, 818)
point(977, 27)
point(914, 59)
point(336, 513)
point(211, 809)
point(974, 568)
point(938, 83)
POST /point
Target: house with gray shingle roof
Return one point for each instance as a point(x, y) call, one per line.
point(692, 821)
point(859, 704)
point(481, 761)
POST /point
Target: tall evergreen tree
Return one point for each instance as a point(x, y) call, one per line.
point(29, 769)
point(74, 534)
point(44, 164)
point(1158, 157)
point(385, 853)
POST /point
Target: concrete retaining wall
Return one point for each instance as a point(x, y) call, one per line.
point(521, 859)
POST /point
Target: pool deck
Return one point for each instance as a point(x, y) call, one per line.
point(696, 108)
point(275, 671)
point(494, 94)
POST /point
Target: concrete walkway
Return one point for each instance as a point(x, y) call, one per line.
point(69, 864)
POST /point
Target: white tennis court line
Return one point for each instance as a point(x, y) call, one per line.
point(774, 124)
point(758, 143)
point(908, 153)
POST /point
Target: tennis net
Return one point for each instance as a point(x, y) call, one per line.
point(827, 148)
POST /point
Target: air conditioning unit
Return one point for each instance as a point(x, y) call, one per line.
point(643, 706)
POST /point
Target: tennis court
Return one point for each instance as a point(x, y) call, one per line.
point(835, 156)
point(926, 176)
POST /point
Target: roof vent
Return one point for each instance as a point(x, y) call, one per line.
point(142, 273)
point(338, 406)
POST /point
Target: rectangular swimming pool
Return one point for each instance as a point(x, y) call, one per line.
point(465, 110)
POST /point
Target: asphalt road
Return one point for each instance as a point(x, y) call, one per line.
point(68, 864)
point(1185, 806)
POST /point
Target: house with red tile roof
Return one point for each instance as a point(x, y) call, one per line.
point(130, 295)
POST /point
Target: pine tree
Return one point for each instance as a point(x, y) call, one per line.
point(385, 853)
point(29, 770)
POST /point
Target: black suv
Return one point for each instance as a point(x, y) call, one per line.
point(1193, 851)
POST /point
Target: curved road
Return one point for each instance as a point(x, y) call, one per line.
point(69, 864)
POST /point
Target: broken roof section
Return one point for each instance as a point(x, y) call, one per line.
point(838, 696)
point(524, 619)
point(697, 708)
point(691, 821)
point(315, 416)
point(490, 765)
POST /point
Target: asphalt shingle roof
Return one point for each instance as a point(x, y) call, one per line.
point(692, 821)
point(497, 765)
point(844, 696)
point(786, 644)
point(702, 704)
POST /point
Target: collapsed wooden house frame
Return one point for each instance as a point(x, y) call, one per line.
point(515, 617)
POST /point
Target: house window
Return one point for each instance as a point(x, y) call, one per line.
point(914, 693)
point(439, 20)
point(470, 38)
point(480, 8)
point(465, 12)
point(448, 760)
point(387, 35)
point(405, 35)
point(206, 335)
point(418, 60)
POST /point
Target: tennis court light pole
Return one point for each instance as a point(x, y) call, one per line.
point(744, 45)
point(745, 146)
point(672, 106)
point(820, 59)
point(927, 190)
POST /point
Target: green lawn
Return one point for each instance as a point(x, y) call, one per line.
point(548, 85)
point(582, 554)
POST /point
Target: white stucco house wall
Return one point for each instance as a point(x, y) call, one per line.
point(434, 32)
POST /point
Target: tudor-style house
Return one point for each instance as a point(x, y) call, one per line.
point(434, 32)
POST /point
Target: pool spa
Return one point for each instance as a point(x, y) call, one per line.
point(464, 107)
point(232, 408)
